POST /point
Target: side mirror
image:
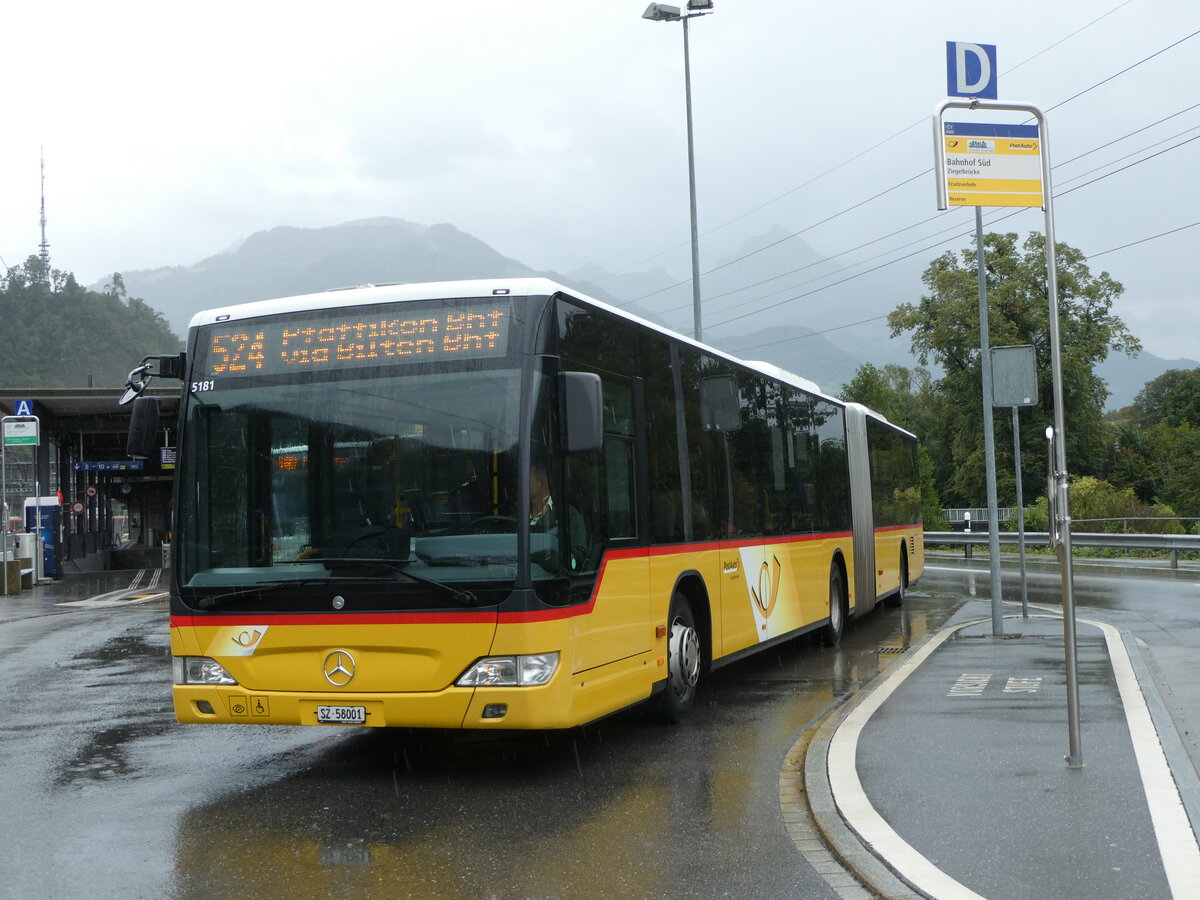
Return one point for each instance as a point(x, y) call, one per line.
point(581, 411)
point(143, 428)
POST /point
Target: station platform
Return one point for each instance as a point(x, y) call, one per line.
point(948, 777)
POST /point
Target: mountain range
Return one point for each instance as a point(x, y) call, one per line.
point(815, 320)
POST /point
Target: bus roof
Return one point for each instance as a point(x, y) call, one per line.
point(483, 287)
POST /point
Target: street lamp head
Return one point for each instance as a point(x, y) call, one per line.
point(660, 12)
point(700, 5)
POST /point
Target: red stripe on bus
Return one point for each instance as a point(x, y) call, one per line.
point(524, 616)
point(896, 528)
point(437, 618)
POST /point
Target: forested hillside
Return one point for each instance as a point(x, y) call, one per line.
point(56, 333)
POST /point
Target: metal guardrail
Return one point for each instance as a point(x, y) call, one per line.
point(1172, 543)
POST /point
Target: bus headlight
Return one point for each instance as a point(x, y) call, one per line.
point(510, 671)
point(199, 670)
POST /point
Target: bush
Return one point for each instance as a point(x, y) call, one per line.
point(1096, 499)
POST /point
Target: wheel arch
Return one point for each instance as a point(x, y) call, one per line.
point(839, 559)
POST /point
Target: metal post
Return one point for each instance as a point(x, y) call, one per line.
point(1016, 427)
point(1075, 754)
point(989, 437)
point(39, 561)
point(687, 90)
point(4, 510)
point(1051, 513)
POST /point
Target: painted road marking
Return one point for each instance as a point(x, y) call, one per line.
point(974, 685)
point(1023, 685)
point(969, 686)
point(131, 595)
point(1172, 829)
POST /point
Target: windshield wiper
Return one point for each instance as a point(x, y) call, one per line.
point(466, 598)
point(264, 587)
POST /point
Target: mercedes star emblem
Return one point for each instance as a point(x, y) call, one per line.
point(339, 668)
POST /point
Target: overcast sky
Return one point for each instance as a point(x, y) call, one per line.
point(554, 130)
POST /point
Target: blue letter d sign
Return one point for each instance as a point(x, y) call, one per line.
point(970, 70)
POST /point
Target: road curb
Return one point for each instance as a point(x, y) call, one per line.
point(844, 844)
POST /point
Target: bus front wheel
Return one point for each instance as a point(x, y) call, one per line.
point(831, 635)
point(683, 661)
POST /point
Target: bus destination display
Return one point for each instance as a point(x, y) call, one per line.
point(358, 336)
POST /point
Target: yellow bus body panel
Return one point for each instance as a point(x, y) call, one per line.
point(889, 544)
point(613, 648)
point(406, 664)
point(775, 586)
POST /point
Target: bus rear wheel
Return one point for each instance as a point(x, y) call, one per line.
point(831, 634)
point(684, 656)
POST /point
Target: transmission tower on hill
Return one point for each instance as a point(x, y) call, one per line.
point(44, 246)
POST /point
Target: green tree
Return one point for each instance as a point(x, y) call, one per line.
point(1173, 397)
point(1156, 442)
point(1177, 465)
point(944, 329)
point(1098, 506)
point(58, 334)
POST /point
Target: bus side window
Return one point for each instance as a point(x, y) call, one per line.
point(620, 487)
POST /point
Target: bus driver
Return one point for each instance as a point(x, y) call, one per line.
point(544, 517)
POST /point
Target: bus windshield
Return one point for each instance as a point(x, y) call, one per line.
point(359, 473)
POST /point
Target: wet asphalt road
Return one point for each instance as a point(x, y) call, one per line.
point(106, 796)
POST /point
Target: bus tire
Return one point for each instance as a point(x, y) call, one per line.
point(897, 599)
point(684, 661)
point(831, 634)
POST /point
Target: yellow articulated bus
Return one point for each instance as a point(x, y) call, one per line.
point(501, 504)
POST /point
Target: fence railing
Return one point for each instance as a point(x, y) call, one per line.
point(957, 515)
point(1172, 543)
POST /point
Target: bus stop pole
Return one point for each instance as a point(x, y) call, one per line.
point(1075, 754)
point(989, 436)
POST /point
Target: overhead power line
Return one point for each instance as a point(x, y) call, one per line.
point(1145, 240)
point(856, 156)
point(1061, 103)
point(931, 247)
point(936, 216)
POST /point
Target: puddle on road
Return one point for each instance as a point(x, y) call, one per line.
point(623, 807)
point(106, 755)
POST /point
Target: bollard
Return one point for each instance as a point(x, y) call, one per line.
point(25, 572)
point(13, 569)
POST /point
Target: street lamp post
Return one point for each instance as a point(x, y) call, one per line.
point(660, 12)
